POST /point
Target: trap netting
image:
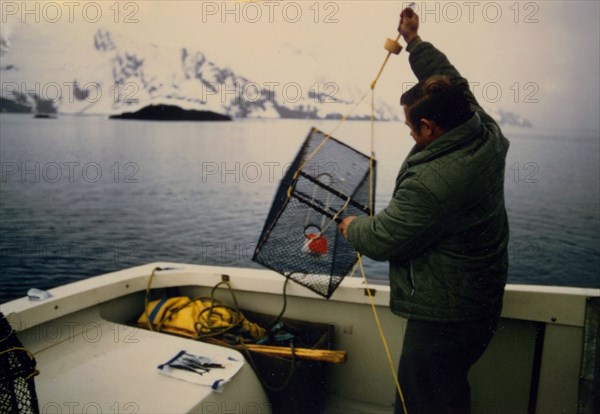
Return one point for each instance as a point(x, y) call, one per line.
point(300, 238)
point(17, 369)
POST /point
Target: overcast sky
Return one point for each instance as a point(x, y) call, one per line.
point(539, 58)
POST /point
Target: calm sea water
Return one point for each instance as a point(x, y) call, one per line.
point(82, 196)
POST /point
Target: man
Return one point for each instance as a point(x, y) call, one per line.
point(444, 233)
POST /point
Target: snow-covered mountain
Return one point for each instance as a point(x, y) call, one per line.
point(118, 74)
point(508, 118)
point(126, 78)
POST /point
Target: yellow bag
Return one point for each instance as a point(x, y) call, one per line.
point(196, 318)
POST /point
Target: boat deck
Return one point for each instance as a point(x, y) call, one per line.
point(90, 364)
point(88, 354)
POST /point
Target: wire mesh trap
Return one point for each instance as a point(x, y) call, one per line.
point(17, 369)
point(326, 181)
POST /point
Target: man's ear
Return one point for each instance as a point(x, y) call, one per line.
point(427, 127)
point(430, 128)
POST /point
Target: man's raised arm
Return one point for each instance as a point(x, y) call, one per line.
point(426, 61)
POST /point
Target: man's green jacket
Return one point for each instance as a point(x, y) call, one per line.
point(445, 231)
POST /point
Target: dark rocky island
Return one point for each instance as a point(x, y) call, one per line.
point(10, 106)
point(31, 103)
point(171, 113)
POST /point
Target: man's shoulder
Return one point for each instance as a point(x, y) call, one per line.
point(438, 177)
point(455, 176)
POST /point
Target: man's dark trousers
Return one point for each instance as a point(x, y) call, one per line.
point(436, 358)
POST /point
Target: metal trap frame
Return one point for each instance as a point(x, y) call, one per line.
point(300, 240)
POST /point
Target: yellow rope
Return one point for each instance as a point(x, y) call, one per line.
point(382, 66)
point(327, 136)
point(371, 208)
point(344, 118)
point(17, 348)
point(372, 158)
point(383, 339)
point(34, 373)
point(236, 313)
point(146, 298)
point(20, 348)
point(8, 336)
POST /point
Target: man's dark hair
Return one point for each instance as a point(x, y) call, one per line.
point(437, 99)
